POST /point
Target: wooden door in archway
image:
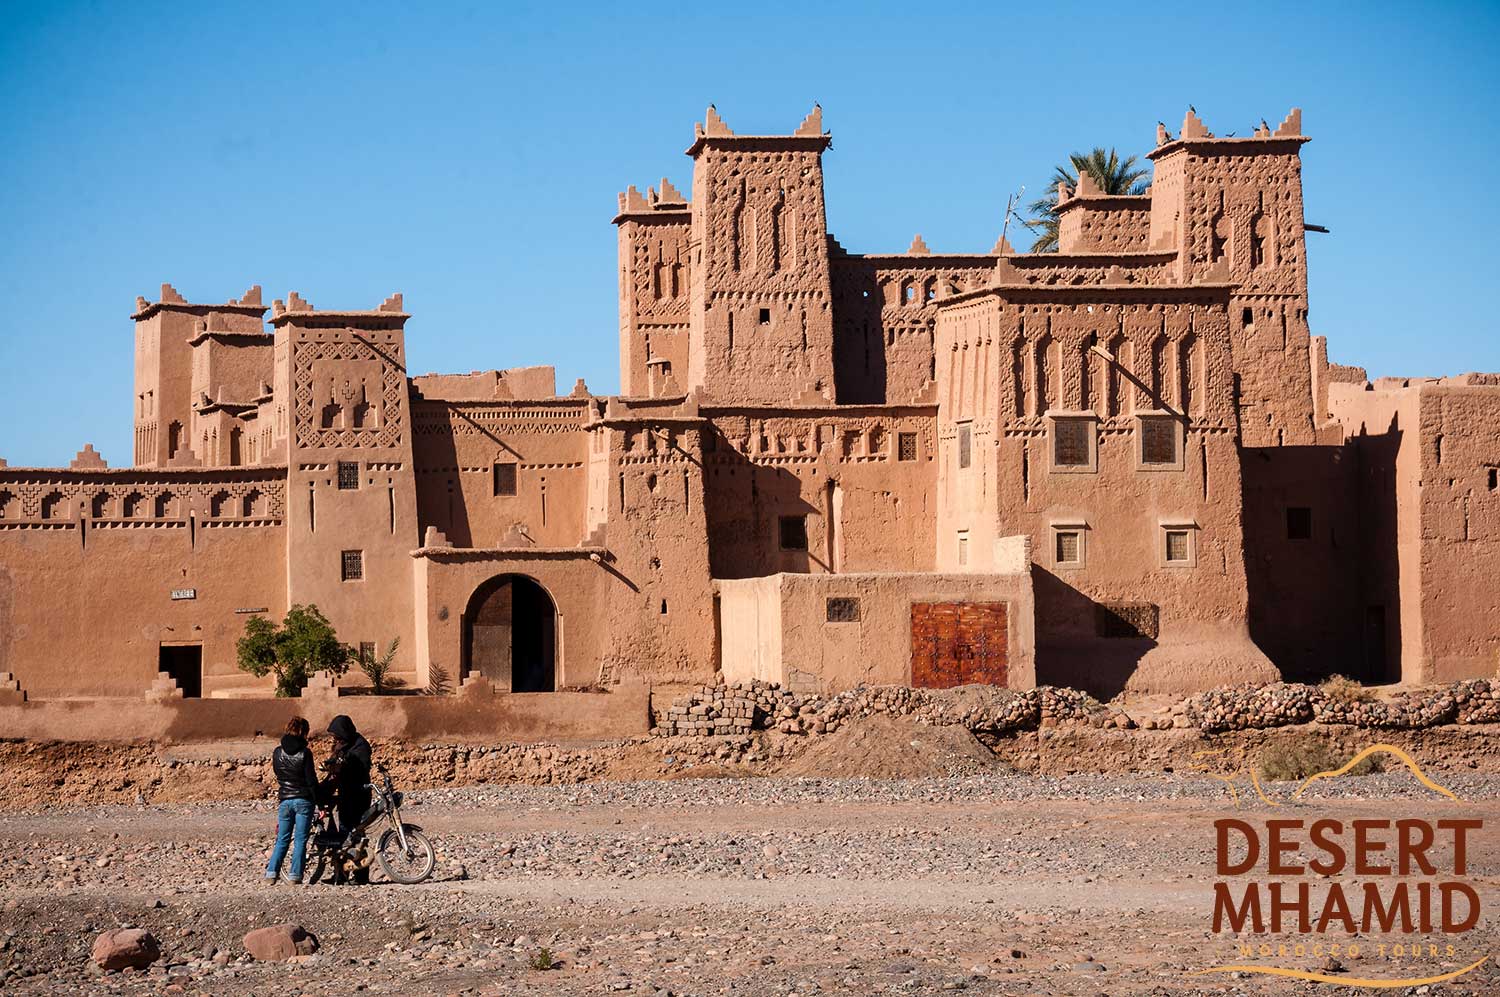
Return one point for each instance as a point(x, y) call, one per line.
point(511, 635)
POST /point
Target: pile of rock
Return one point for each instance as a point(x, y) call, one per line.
point(1407, 711)
point(1250, 707)
point(741, 708)
point(1478, 702)
point(1247, 707)
point(737, 709)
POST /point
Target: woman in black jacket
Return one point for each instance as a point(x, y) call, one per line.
point(296, 789)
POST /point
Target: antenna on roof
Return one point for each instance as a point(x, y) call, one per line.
point(1010, 209)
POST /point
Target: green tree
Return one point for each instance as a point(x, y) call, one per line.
point(378, 670)
point(1113, 175)
point(304, 643)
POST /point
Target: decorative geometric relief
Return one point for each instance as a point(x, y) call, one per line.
point(355, 428)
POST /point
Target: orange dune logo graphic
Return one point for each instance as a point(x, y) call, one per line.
point(1390, 904)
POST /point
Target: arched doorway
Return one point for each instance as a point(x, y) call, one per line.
point(510, 635)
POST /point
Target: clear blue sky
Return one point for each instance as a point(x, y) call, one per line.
point(469, 156)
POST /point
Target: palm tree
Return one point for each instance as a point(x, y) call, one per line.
point(1113, 175)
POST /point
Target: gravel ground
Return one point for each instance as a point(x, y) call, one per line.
point(995, 884)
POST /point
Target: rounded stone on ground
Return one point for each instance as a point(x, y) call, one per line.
point(280, 942)
point(125, 948)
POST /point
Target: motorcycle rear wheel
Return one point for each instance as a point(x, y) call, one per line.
point(413, 865)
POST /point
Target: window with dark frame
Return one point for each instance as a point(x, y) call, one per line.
point(906, 448)
point(1070, 443)
point(965, 442)
point(366, 651)
point(842, 609)
point(348, 475)
point(1069, 544)
point(505, 477)
point(793, 533)
point(1298, 522)
point(1179, 547)
point(352, 565)
point(1158, 441)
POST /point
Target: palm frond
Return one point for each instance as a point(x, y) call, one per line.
point(1112, 174)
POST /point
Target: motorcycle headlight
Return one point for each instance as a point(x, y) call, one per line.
point(397, 798)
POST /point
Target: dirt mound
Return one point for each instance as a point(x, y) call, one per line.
point(892, 748)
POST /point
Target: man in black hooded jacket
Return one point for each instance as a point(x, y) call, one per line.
point(350, 764)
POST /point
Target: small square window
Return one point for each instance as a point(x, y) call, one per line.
point(842, 609)
point(765, 316)
point(1159, 442)
point(1179, 547)
point(352, 565)
point(794, 533)
point(1071, 444)
point(965, 445)
point(505, 478)
point(906, 449)
point(348, 475)
point(1068, 547)
point(1298, 522)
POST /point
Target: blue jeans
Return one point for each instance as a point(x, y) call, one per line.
point(289, 815)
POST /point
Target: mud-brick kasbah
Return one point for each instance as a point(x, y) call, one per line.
point(1124, 466)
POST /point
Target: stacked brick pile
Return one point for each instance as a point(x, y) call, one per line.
point(719, 710)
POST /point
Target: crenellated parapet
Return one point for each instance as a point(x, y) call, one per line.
point(133, 498)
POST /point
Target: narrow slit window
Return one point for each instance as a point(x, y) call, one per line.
point(965, 445)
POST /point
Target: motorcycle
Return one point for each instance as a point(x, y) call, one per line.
point(402, 850)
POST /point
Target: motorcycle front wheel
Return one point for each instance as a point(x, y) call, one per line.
point(411, 865)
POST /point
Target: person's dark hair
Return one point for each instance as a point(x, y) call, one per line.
point(297, 727)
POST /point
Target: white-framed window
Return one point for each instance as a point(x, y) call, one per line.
point(1177, 544)
point(1069, 544)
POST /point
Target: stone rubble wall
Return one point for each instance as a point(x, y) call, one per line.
point(1472, 701)
point(740, 708)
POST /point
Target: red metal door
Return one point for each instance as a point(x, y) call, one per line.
point(958, 643)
